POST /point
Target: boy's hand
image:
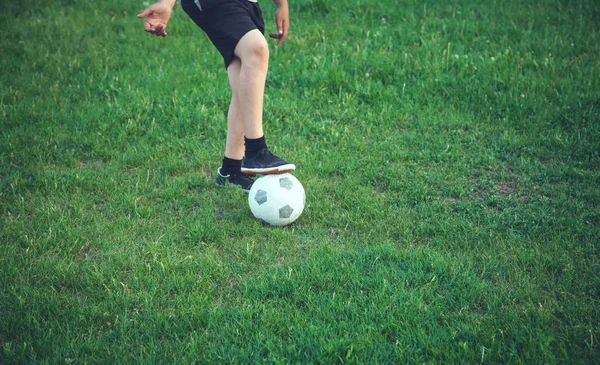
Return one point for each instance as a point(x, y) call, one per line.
point(157, 16)
point(282, 19)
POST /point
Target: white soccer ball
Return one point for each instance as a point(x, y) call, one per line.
point(277, 200)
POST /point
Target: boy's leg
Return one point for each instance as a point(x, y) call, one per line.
point(234, 146)
point(229, 172)
point(248, 94)
point(249, 88)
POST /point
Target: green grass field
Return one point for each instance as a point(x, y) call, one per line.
point(450, 151)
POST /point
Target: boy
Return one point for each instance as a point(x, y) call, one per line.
point(236, 29)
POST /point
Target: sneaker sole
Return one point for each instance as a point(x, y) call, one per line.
point(269, 170)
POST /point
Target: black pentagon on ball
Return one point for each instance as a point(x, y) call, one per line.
point(286, 212)
point(286, 183)
point(260, 197)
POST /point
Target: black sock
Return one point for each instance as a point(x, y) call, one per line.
point(230, 166)
point(254, 145)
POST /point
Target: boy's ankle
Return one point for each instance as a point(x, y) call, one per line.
point(230, 166)
point(254, 146)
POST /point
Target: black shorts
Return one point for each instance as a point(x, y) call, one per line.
point(226, 22)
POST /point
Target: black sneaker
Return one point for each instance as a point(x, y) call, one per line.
point(265, 162)
point(237, 179)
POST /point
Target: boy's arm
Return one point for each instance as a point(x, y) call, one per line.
point(157, 16)
point(282, 19)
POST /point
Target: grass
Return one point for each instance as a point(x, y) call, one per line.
point(450, 152)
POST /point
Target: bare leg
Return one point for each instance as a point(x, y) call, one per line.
point(229, 172)
point(248, 92)
point(247, 76)
point(234, 146)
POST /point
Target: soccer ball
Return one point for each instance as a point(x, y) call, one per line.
point(277, 200)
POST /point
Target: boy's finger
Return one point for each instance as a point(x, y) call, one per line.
point(161, 30)
point(283, 30)
point(149, 28)
point(281, 40)
point(144, 13)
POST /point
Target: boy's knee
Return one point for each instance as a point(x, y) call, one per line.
point(253, 49)
point(258, 53)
